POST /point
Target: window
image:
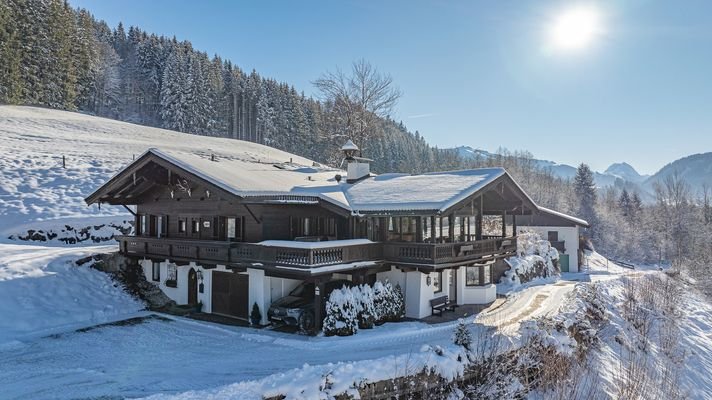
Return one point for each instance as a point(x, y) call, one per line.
point(233, 229)
point(182, 226)
point(486, 274)
point(472, 276)
point(156, 273)
point(195, 226)
point(159, 226)
point(143, 224)
point(438, 282)
point(478, 275)
point(152, 225)
point(172, 278)
point(553, 236)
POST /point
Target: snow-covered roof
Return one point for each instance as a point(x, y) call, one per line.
point(256, 178)
point(296, 180)
point(577, 221)
point(431, 191)
point(349, 145)
point(252, 177)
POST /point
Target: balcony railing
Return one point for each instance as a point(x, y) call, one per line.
point(235, 252)
point(443, 253)
point(339, 253)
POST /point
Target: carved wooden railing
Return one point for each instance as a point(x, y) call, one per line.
point(227, 252)
point(439, 253)
point(338, 253)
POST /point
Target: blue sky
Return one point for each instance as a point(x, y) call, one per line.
point(482, 73)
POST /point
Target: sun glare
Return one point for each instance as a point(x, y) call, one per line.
point(575, 28)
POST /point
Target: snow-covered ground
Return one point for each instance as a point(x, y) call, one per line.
point(44, 299)
point(43, 292)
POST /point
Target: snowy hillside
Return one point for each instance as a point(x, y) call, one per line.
point(37, 193)
point(695, 169)
point(43, 292)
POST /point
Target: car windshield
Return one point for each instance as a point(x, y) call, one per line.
point(303, 290)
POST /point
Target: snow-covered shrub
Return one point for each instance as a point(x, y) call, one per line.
point(462, 335)
point(341, 313)
point(535, 259)
point(398, 304)
point(365, 309)
point(389, 302)
point(76, 233)
point(380, 302)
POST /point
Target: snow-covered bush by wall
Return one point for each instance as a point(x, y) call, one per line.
point(366, 313)
point(389, 302)
point(341, 313)
point(361, 307)
point(536, 258)
point(71, 232)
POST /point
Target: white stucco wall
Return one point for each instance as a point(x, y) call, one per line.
point(280, 287)
point(260, 286)
point(418, 294)
point(394, 276)
point(473, 294)
point(570, 236)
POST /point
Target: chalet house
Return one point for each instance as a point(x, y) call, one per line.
point(230, 231)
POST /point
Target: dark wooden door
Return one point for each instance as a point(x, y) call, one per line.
point(453, 286)
point(230, 294)
point(192, 287)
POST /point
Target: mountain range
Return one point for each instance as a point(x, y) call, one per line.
point(695, 169)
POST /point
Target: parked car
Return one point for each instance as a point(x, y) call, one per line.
point(297, 308)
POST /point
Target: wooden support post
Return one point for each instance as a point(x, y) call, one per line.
point(478, 226)
point(451, 227)
point(432, 229)
point(400, 228)
point(64, 162)
point(514, 224)
point(440, 234)
point(469, 229)
point(419, 229)
point(504, 223)
point(319, 294)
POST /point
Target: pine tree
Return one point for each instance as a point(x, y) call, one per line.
point(462, 335)
point(624, 203)
point(585, 190)
point(173, 103)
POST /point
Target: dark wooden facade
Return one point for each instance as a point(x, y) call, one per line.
point(182, 216)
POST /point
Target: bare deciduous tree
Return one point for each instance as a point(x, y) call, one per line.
point(358, 99)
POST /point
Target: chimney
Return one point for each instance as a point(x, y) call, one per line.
point(357, 168)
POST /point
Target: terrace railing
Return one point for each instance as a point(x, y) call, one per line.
point(334, 252)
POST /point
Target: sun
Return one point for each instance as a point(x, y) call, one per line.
point(575, 28)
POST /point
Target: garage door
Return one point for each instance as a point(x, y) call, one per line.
point(564, 262)
point(230, 294)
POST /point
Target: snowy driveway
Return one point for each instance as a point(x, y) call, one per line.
point(180, 354)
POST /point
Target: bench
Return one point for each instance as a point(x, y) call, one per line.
point(440, 304)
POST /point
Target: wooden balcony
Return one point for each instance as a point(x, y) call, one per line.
point(446, 253)
point(235, 252)
point(216, 252)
